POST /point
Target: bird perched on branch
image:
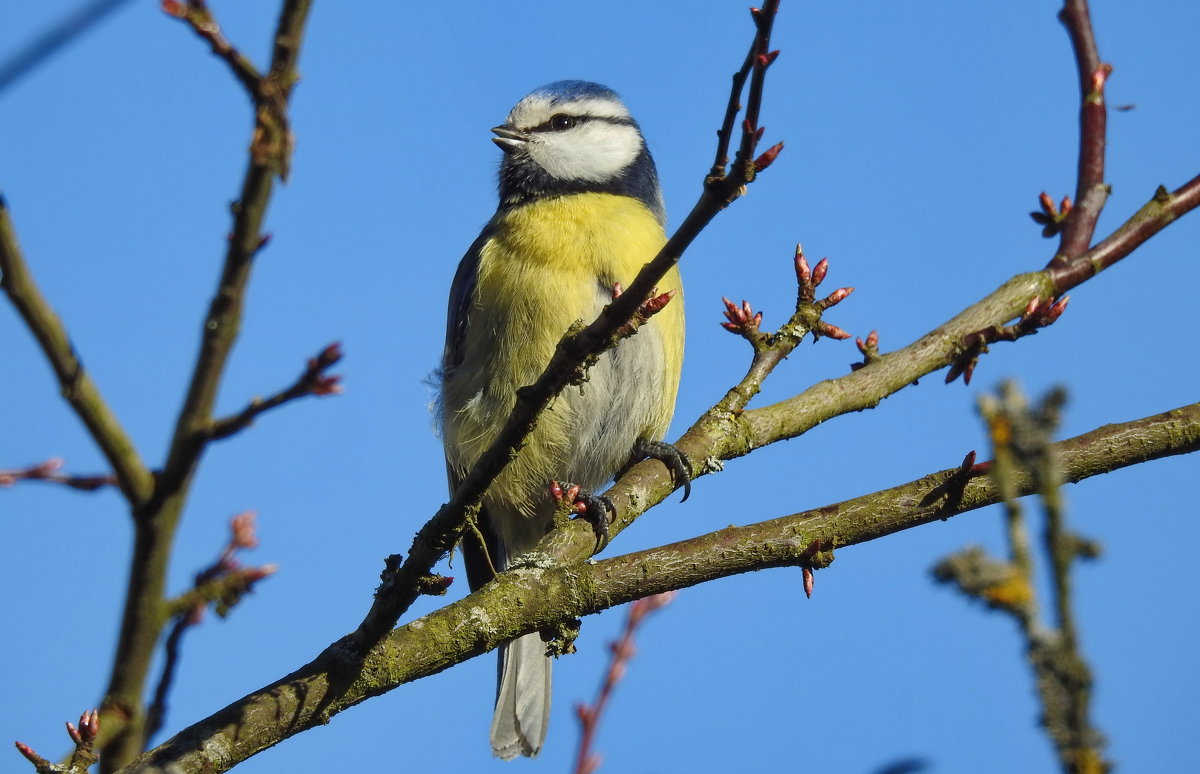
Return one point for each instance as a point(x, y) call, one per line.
point(580, 213)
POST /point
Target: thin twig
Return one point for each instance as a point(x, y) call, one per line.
point(197, 15)
point(221, 584)
point(312, 381)
point(586, 761)
point(50, 471)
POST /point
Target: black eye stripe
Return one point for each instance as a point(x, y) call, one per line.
point(549, 125)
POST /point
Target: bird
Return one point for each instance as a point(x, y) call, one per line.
point(580, 212)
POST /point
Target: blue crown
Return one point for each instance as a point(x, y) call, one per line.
point(565, 91)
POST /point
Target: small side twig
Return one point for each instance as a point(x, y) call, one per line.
point(50, 471)
point(587, 761)
point(770, 349)
point(197, 15)
point(1037, 314)
point(82, 756)
point(221, 584)
point(312, 381)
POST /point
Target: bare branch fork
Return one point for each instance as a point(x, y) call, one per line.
point(156, 499)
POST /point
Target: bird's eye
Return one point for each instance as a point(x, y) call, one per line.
point(561, 122)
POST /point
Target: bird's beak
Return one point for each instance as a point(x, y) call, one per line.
point(509, 139)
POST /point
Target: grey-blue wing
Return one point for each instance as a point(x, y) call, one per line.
point(458, 311)
point(462, 291)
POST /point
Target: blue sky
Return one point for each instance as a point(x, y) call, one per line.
point(918, 137)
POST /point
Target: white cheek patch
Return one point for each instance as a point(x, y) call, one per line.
point(595, 151)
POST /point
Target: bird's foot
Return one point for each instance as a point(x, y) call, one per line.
point(675, 460)
point(595, 508)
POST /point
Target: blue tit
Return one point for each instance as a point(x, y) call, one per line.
point(580, 211)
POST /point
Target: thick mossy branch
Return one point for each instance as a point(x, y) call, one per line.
point(523, 601)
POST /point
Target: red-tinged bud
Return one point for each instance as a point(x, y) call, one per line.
point(253, 575)
point(1046, 202)
point(803, 273)
point(556, 490)
point(758, 134)
point(1032, 306)
point(74, 733)
point(873, 339)
point(1059, 307)
point(7, 479)
point(176, 9)
point(767, 158)
point(981, 468)
point(764, 60)
point(969, 370)
point(836, 297)
point(331, 354)
point(31, 756)
point(1065, 207)
point(755, 13)
point(89, 725)
point(968, 461)
point(818, 273)
point(617, 290)
point(1100, 76)
point(327, 385)
point(746, 127)
point(655, 304)
point(242, 527)
point(808, 582)
point(582, 711)
point(832, 331)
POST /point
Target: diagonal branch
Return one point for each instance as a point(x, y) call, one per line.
point(726, 432)
point(526, 600)
point(401, 588)
point(77, 387)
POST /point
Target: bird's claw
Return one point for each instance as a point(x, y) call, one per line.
point(597, 509)
point(675, 460)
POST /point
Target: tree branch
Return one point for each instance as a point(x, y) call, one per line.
point(50, 471)
point(312, 381)
point(526, 600)
point(572, 355)
point(1091, 191)
point(133, 477)
point(156, 519)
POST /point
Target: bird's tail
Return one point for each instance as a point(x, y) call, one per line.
point(522, 698)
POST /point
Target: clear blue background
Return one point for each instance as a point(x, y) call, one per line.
point(918, 136)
